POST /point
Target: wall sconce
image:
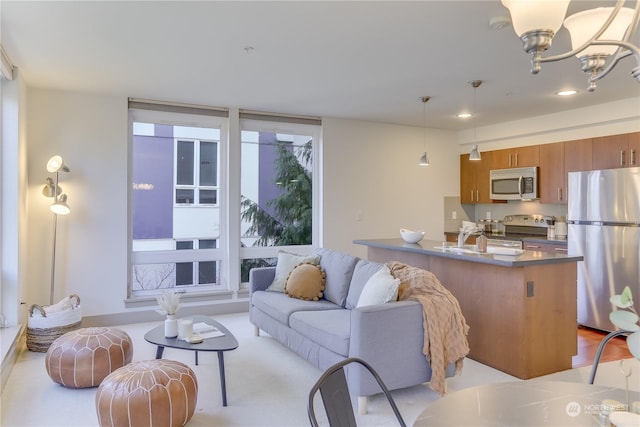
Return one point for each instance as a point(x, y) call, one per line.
point(58, 207)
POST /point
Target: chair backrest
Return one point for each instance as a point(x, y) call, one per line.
point(334, 390)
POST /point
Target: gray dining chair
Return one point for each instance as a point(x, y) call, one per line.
point(334, 391)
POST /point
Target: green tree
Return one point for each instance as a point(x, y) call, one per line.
point(291, 221)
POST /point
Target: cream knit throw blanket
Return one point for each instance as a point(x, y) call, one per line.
point(445, 328)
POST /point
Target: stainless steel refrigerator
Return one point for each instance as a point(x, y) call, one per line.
point(604, 227)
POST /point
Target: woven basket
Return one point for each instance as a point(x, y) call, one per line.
point(44, 329)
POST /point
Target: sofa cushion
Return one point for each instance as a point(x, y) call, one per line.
point(338, 267)
point(286, 262)
point(279, 306)
point(306, 281)
point(363, 270)
point(381, 288)
point(331, 329)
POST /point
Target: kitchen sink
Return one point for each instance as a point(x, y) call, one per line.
point(464, 249)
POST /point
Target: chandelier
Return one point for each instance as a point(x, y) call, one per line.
point(600, 37)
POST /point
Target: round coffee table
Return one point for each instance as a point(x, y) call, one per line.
point(522, 403)
point(221, 344)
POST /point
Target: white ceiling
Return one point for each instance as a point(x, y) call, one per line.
point(369, 60)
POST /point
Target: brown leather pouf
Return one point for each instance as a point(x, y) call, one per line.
point(148, 393)
point(84, 357)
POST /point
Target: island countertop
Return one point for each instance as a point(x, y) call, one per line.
point(435, 248)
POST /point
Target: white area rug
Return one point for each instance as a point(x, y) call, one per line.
point(267, 385)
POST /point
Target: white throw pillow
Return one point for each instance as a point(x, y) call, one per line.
point(287, 262)
point(382, 287)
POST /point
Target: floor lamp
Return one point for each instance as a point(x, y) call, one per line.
point(58, 207)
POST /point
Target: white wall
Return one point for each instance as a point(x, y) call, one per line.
point(90, 132)
point(373, 186)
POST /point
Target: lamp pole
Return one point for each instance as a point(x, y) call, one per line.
point(53, 251)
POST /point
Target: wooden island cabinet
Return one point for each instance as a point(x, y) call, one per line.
point(521, 310)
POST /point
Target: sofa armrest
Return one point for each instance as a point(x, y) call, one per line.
point(390, 337)
point(260, 278)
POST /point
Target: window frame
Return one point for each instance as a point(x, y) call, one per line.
point(280, 125)
point(218, 254)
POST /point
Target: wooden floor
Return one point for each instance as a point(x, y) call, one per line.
point(588, 341)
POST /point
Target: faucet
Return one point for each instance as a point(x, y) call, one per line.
point(462, 238)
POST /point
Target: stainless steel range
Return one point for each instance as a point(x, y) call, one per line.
point(518, 227)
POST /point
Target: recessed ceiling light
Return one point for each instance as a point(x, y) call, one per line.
point(464, 115)
point(566, 92)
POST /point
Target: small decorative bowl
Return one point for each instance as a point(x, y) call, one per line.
point(411, 236)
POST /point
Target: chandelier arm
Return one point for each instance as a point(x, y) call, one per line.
point(614, 12)
point(632, 50)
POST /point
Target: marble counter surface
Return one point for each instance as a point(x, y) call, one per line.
point(435, 248)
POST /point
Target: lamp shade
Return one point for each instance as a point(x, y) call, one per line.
point(56, 164)
point(424, 160)
point(60, 207)
point(583, 25)
point(475, 154)
point(530, 15)
point(49, 189)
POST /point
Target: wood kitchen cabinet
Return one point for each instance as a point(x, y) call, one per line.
point(616, 151)
point(552, 177)
point(474, 179)
point(578, 155)
point(556, 161)
point(518, 157)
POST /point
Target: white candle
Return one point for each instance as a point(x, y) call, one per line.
point(185, 328)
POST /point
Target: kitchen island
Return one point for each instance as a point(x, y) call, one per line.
point(521, 309)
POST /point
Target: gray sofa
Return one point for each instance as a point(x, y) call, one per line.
point(389, 336)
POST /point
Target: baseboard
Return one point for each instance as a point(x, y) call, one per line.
point(11, 339)
point(152, 316)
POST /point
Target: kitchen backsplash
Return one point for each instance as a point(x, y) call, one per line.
point(453, 207)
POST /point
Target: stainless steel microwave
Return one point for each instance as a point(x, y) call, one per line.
point(514, 184)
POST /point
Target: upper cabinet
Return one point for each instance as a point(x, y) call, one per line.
point(474, 179)
point(552, 177)
point(518, 157)
point(578, 155)
point(616, 151)
point(556, 161)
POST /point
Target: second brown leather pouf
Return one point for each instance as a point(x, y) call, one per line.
point(158, 393)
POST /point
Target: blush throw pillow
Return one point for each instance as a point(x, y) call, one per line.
point(286, 262)
point(306, 281)
point(382, 287)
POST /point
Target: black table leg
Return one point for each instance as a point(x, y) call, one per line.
point(159, 352)
point(196, 357)
point(223, 384)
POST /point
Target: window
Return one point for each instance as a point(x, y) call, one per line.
point(175, 205)
point(196, 172)
point(198, 225)
point(277, 190)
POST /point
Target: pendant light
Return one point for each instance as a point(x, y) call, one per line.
point(475, 154)
point(424, 159)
